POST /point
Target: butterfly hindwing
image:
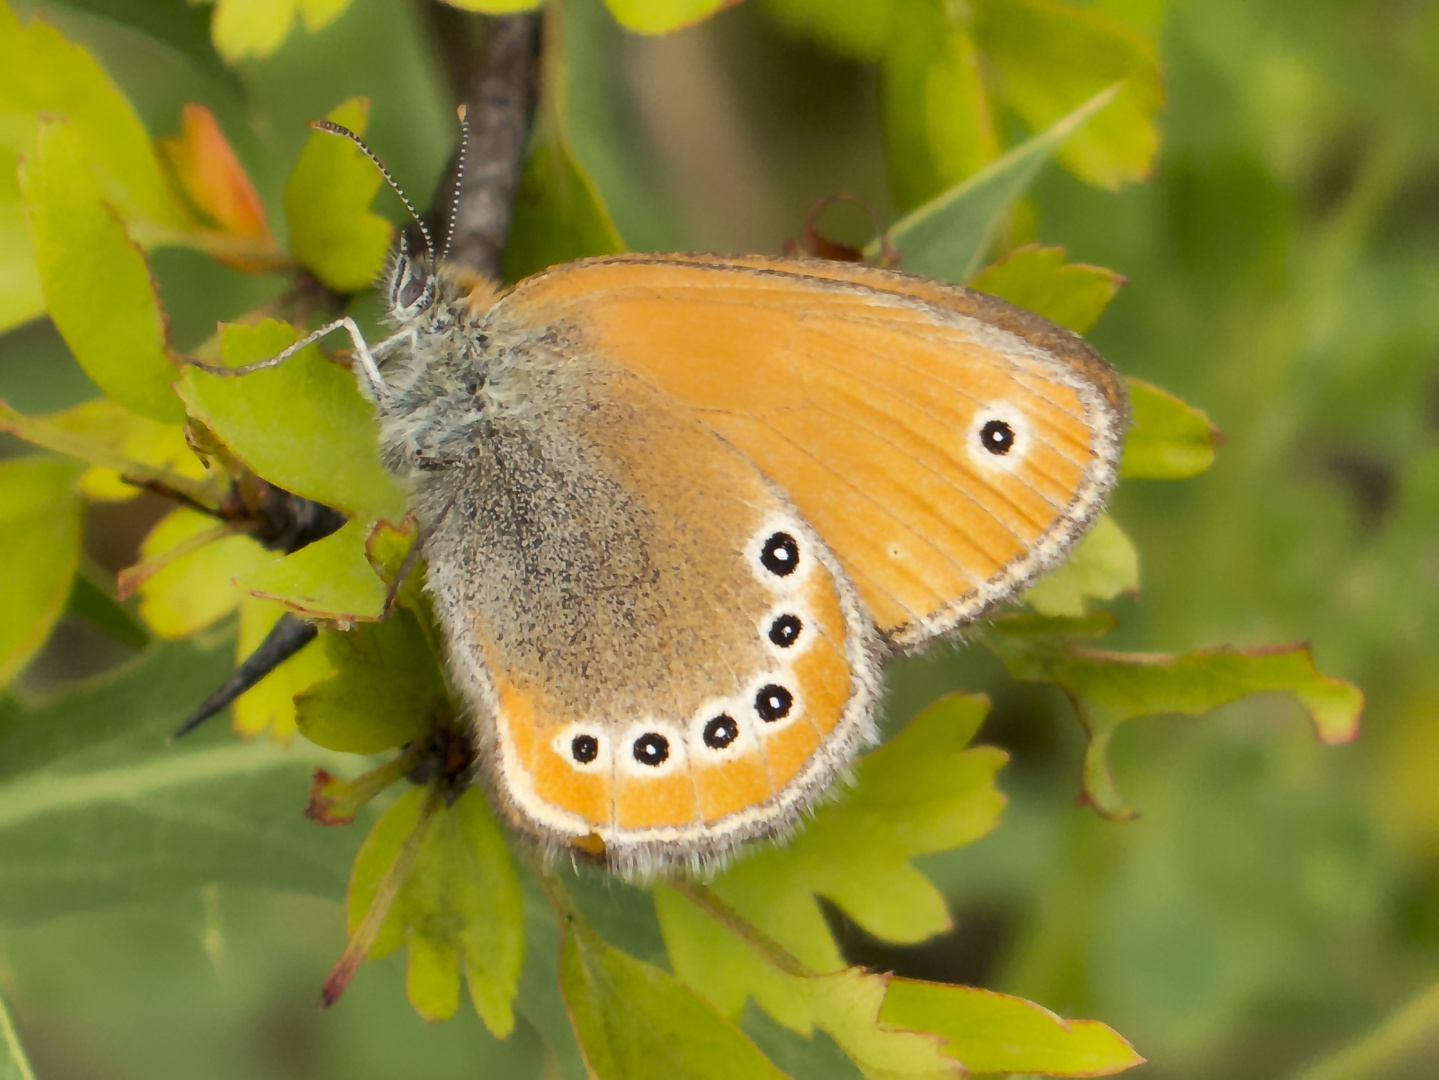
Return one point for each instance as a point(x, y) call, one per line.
point(670, 658)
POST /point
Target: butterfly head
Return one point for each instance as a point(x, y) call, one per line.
point(411, 286)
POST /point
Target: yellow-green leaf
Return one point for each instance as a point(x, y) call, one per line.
point(42, 74)
point(636, 1022)
point(856, 28)
point(303, 425)
point(329, 579)
point(116, 442)
point(21, 297)
point(1051, 56)
point(245, 29)
point(195, 565)
point(270, 704)
point(386, 689)
point(459, 911)
point(921, 792)
point(1167, 439)
point(40, 519)
point(1073, 295)
point(96, 281)
point(495, 7)
point(996, 1033)
point(1102, 565)
point(725, 969)
point(663, 16)
point(1111, 688)
point(333, 232)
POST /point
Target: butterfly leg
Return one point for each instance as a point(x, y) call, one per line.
point(376, 384)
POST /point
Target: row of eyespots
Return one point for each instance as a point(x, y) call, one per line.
point(780, 556)
point(772, 703)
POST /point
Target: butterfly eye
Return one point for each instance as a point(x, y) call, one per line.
point(584, 748)
point(784, 631)
point(780, 554)
point(652, 749)
point(773, 702)
point(997, 437)
point(721, 732)
point(411, 287)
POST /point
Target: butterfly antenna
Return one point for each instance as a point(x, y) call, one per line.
point(459, 183)
point(339, 129)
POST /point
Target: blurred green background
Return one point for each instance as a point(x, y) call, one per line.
point(1276, 899)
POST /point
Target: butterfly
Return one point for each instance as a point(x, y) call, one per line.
point(676, 510)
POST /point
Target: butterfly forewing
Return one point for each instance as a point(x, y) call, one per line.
point(945, 445)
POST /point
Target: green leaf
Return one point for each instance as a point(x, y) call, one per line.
point(559, 214)
point(14, 1065)
point(302, 425)
point(270, 704)
point(540, 1001)
point(635, 1021)
point(40, 518)
point(663, 16)
point(387, 689)
point(921, 792)
point(94, 603)
point(96, 809)
point(187, 576)
point(247, 29)
point(948, 236)
point(1051, 56)
point(938, 119)
point(855, 28)
point(333, 232)
point(183, 26)
point(329, 579)
point(460, 909)
point(42, 74)
point(1073, 295)
point(1167, 440)
point(1110, 688)
point(97, 283)
point(845, 1004)
point(1103, 564)
point(995, 1033)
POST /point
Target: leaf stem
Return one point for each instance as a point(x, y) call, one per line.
point(1386, 1046)
point(713, 905)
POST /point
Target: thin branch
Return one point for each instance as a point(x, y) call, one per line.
point(501, 109)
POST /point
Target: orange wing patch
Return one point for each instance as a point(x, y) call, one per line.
point(864, 394)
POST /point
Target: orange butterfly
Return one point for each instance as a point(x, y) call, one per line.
point(676, 510)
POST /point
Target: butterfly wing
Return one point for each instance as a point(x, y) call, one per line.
point(670, 660)
point(947, 446)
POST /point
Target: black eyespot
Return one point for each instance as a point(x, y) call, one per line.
point(773, 702)
point(721, 731)
point(780, 554)
point(784, 631)
point(652, 749)
point(997, 437)
point(584, 748)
